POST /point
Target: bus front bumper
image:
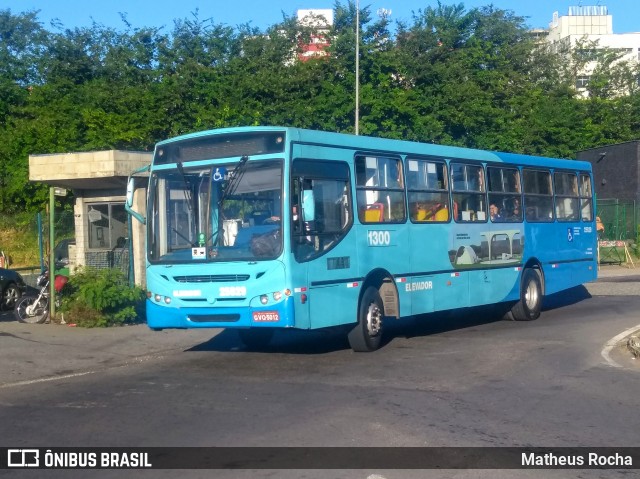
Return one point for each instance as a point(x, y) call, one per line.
point(280, 315)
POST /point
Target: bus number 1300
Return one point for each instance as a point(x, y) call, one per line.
point(379, 238)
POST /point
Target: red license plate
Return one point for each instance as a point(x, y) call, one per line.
point(266, 316)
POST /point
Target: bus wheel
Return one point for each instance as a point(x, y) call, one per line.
point(256, 338)
point(367, 334)
point(528, 308)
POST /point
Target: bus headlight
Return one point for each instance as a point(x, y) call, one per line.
point(277, 296)
point(157, 297)
point(264, 299)
point(167, 300)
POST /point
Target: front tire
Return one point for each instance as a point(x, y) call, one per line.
point(10, 297)
point(530, 304)
point(27, 311)
point(366, 336)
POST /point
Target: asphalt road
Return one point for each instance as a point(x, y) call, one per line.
point(463, 380)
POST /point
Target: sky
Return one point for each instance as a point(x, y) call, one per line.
point(264, 13)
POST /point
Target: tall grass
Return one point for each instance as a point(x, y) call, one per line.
point(19, 239)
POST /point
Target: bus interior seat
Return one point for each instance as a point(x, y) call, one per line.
point(374, 213)
point(442, 214)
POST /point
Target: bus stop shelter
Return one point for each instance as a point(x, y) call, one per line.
point(98, 181)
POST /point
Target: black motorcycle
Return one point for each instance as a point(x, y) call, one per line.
point(34, 309)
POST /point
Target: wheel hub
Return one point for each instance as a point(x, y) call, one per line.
point(374, 320)
point(531, 296)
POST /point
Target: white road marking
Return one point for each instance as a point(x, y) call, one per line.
point(42, 380)
point(137, 359)
point(613, 342)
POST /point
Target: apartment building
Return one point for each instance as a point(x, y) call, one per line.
point(586, 25)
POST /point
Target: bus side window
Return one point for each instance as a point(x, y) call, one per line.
point(504, 192)
point(567, 199)
point(586, 197)
point(538, 194)
point(428, 190)
point(380, 189)
point(469, 192)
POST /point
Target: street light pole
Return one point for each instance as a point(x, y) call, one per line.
point(357, 67)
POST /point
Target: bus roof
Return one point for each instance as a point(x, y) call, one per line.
point(375, 145)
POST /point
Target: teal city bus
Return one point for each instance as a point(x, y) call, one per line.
point(260, 228)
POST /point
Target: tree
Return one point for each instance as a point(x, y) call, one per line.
point(448, 75)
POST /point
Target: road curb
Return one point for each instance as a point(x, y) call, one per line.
point(614, 343)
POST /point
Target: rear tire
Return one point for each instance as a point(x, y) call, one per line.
point(37, 315)
point(530, 303)
point(366, 336)
point(256, 339)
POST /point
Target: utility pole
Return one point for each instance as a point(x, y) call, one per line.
point(52, 262)
point(357, 67)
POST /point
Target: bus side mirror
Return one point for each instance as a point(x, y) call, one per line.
point(130, 189)
point(308, 205)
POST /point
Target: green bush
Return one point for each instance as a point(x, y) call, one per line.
point(100, 298)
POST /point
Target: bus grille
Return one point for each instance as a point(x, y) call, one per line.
point(212, 278)
point(214, 318)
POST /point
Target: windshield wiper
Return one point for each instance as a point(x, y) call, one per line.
point(234, 181)
point(187, 184)
point(191, 243)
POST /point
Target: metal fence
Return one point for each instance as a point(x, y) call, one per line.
point(620, 219)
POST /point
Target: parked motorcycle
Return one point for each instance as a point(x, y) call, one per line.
point(34, 309)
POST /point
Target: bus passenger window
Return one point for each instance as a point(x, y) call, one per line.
point(538, 195)
point(468, 192)
point(380, 189)
point(504, 192)
point(567, 201)
point(428, 190)
point(586, 197)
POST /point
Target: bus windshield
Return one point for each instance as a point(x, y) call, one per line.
point(226, 212)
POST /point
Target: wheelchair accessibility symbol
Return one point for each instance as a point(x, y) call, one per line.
point(569, 235)
point(219, 174)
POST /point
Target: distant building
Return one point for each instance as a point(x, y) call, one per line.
point(321, 21)
point(590, 24)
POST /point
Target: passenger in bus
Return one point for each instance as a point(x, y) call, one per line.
point(516, 214)
point(515, 211)
point(494, 212)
